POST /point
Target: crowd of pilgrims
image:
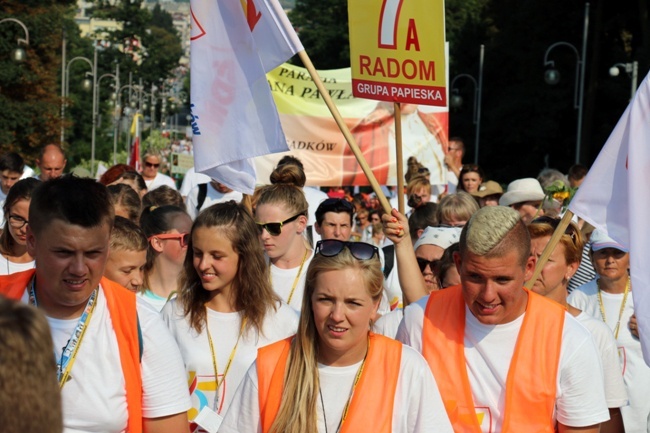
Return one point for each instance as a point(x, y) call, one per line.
point(300, 310)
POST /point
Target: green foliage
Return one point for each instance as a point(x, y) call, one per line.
point(29, 98)
point(323, 29)
point(155, 141)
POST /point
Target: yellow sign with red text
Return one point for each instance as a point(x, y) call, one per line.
point(397, 50)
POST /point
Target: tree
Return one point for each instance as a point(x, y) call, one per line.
point(323, 29)
point(29, 95)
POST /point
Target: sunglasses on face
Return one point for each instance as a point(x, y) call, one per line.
point(333, 247)
point(275, 229)
point(423, 263)
point(184, 238)
point(554, 222)
point(151, 164)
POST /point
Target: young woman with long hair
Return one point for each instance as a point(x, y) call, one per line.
point(335, 375)
point(226, 308)
point(281, 216)
point(13, 240)
point(167, 229)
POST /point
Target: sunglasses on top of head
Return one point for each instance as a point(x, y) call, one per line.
point(359, 250)
point(275, 229)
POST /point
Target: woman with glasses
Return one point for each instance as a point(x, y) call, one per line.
point(429, 249)
point(225, 310)
point(167, 229)
point(13, 240)
point(553, 282)
point(281, 216)
point(335, 375)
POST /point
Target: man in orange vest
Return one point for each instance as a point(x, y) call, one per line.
point(505, 359)
point(118, 367)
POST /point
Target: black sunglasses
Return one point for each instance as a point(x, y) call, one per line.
point(359, 250)
point(275, 229)
point(423, 263)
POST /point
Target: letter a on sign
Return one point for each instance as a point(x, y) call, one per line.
point(400, 46)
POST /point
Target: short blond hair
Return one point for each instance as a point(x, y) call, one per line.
point(493, 231)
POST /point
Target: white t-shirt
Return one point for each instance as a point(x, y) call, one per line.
point(452, 182)
point(7, 267)
point(192, 179)
point(580, 395)
point(636, 373)
point(224, 329)
point(94, 400)
point(156, 302)
point(212, 196)
point(388, 324)
point(283, 280)
point(160, 180)
point(615, 391)
point(314, 197)
point(417, 403)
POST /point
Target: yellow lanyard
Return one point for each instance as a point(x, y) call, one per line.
point(620, 314)
point(218, 382)
point(295, 281)
point(347, 404)
point(75, 339)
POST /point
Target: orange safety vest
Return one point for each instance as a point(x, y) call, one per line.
point(122, 308)
point(532, 377)
point(371, 408)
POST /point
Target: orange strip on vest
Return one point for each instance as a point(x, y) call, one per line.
point(121, 306)
point(532, 376)
point(371, 408)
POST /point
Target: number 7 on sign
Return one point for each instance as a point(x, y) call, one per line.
point(388, 23)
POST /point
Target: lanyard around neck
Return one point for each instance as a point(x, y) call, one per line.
point(69, 353)
point(347, 404)
point(295, 280)
point(218, 382)
point(620, 313)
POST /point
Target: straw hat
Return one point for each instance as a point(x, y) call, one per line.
point(488, 188)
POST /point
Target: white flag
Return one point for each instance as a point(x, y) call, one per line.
point(234, 118)
point(614, 197)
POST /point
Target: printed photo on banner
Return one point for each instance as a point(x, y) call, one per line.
point(313, 137)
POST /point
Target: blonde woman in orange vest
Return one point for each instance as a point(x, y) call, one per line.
point(505, 359)
point(552, 283)
point(335, 375)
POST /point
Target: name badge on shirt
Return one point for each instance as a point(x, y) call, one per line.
point(208, 420)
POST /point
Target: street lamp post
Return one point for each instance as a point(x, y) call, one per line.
point(552, 76)
point(456, 100)
point(633, 71)
point(18, 54)
point(66, 88)
point(116, 78)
